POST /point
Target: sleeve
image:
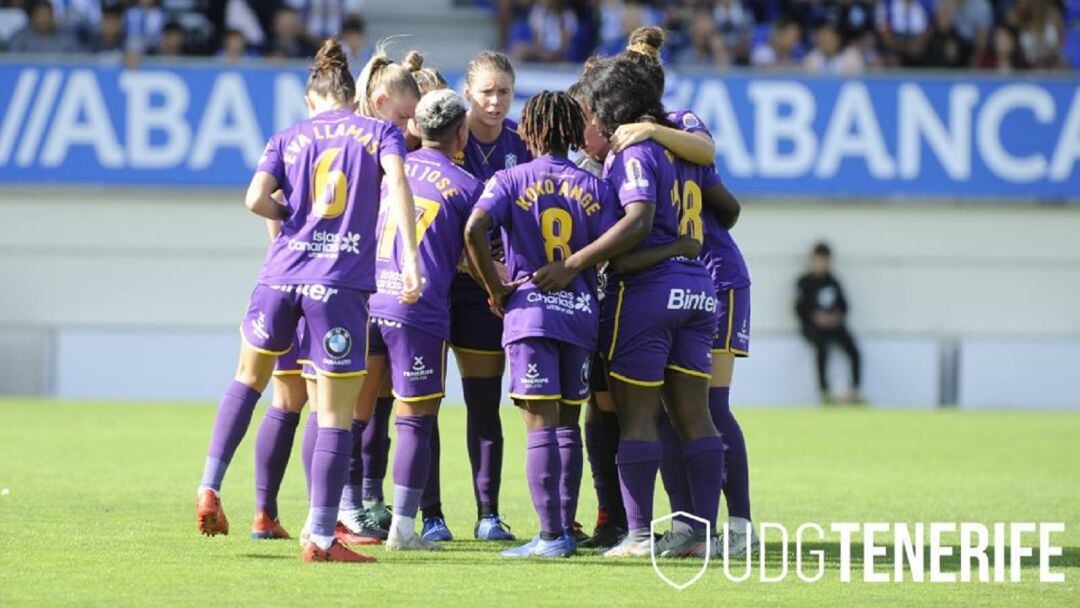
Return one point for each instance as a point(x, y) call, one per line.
point(633, 176)
point(495, 200)
point(603, 220)
point(710, 178)
point(271, 160)
point(392, 142)
point(691, 123)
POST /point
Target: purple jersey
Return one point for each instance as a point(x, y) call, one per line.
point(507, 151)
point(444, 194)
point(719, 252)
point(646, 172)
point(329, 169)
point(548, 209)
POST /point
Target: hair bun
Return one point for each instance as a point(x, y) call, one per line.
point(647, 40)
point(413, 61)
point(330, 56)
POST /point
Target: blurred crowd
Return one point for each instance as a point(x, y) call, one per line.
point(821, 36)
point(233, 30)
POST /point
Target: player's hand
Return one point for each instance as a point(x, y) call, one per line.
point(504, 272)
point(412, 282)
point(497, 300)
point(554, 276)
point(630, 134)
point(688, 246)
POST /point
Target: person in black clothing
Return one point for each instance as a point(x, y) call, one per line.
point(822, 311)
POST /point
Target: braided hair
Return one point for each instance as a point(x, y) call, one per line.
point(552, 123)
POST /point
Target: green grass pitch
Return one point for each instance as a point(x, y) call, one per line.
point(98, 511)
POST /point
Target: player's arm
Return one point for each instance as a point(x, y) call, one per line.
point(401, 202)
point(483, 265)
point(636, 261)
point(260, 197)
point(620, 238)
point(723, 203)
point(697, 148)
point(273, 227)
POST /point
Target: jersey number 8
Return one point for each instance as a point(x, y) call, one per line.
point(556, 226)
point(689, 204)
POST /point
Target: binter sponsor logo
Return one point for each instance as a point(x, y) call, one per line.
point(319, 293)
point(684, 299)
point(325, 244)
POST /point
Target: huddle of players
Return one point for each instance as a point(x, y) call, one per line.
point(331, 264)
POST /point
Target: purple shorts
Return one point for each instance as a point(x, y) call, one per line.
point(289, 363)
point(648, 328)
point(335, 337)
point(473, 327)
point(417, 359)
point(733, 323)
point(545, 368)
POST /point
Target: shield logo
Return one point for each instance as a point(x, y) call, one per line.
point(652, 549)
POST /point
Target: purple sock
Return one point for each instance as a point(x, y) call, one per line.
point(412, 462)
point(704, 458)
point(569, 438)
point(307, 448)
point(673, 471)
point(329, 469)
point(638, 462)
point(273, 444)
point(431, 501)
point(542, 467)
point(602, 440)
point(233, 418)
point(376, 449)
point(736, 463)
point(483, 433)
point(351, 494)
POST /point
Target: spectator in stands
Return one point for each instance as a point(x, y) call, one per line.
point(822, 311)
point(733, 23)
point(620, 17)
point(947, 48)
point(779, 52)
point(905, 28)
point(321, 18)
point(1004, 53)
point(1041, 32)
point(289, 40)
point(171, 41)
point(705, 47)
point(43, 34)
point(974, 19)
point(12, 19)
point(550, 27)
point(234, 47)
point(354, 41)
point(830, 57)
point(109, 37)
point(143, 23)
point(855, 21)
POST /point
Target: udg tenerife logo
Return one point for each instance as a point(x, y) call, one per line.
point(419, 372)
point(418, 364)
point(532, 373)
point(533, 378)
point(327, 244)
point(337, 342)
point(684, 299)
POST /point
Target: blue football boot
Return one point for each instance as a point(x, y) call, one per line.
point(492, 528)
point(525, 550)
point(435, 530)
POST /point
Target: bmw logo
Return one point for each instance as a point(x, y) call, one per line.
point(337, 342)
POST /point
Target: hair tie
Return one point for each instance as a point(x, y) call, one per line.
point(644, 49)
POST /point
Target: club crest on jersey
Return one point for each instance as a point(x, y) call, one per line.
point(635, 175)
point(337, 342)
point(511, 160)
point(418, 363)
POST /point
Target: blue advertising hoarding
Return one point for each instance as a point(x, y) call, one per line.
point(904, 135)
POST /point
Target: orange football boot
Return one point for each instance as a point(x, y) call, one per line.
point(210, 515)
point(336, 553)
point(264, 528)
point(346, 537)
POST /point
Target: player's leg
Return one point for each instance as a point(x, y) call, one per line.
point(268, 331)
point(602, 442)
point(336, 340)
point(375, 456)
point(476, 338)
point(535, 389)
point(732, 341)
point(273, 444)
point(575, 374)
point(357, 526)
point(418, 372)
point(434, 527)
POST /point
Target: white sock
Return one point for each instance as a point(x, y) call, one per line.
point(322, 542)
point(738, 525)
point(403, 527)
